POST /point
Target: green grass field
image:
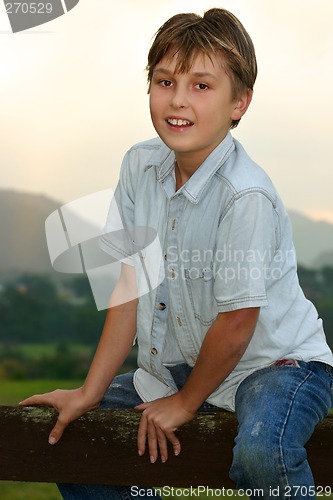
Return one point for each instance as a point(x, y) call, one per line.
point(28, 491)
point(14, 391)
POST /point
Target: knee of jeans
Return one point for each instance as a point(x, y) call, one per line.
point(254, 458)
point(294, 458)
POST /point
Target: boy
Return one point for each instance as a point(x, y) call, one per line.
point(228, 326)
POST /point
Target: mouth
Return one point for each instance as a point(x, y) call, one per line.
point(179, 122)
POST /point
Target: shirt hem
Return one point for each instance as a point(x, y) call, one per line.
point(242, 304)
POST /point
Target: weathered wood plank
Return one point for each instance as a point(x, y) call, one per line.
point(100, 448)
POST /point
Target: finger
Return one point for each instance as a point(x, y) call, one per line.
point(142, 435)
point(152, 442)
point(162, 444)
point(142, 406)
point(175, 442)
point(37, 399)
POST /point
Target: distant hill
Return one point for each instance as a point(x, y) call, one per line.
point(324, 259)
point(22, 229)
point(23, 243)
point(313, 240)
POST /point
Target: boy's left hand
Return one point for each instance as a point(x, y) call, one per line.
point(159, 421)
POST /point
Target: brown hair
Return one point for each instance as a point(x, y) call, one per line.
point(218, 31)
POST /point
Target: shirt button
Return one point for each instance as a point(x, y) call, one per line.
point(153, 351)
point(161, 306)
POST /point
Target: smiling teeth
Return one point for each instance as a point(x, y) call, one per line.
point(173, 121)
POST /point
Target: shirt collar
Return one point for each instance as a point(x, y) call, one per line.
point(164, 159)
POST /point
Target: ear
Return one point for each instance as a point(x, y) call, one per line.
point(242, 102)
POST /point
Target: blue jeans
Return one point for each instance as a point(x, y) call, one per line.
point(277, 410)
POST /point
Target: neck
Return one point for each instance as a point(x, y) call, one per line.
point(185, 166)
point(182, 175)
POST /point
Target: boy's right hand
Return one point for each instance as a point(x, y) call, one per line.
point(70, 404)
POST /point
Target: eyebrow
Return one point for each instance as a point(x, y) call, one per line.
point(198, 74)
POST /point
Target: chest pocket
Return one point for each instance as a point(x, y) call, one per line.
point(200, 287)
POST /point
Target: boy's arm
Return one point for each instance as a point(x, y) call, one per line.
point(116, 340)
point(221, 350)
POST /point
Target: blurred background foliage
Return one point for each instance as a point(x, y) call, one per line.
point(50, 329)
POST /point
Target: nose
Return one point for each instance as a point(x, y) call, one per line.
point(179, 97)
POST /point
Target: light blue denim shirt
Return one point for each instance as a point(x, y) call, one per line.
point(226, 242)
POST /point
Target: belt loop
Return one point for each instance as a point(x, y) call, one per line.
point(329, 369)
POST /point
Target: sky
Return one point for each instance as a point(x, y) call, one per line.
point(73, 96)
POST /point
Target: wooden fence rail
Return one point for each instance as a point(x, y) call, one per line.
point(100, 448)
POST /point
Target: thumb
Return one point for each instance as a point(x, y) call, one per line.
point(57, 431)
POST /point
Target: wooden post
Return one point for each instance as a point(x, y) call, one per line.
point(100, 448)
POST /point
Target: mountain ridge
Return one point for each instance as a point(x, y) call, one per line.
point(313, 240)
point(23, 246)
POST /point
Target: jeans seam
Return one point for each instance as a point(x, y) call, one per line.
point(284, 427)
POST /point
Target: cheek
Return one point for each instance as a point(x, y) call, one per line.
point(154, 104)
point(155, 112)
point(207, 116)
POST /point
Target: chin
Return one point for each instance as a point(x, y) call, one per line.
point(178, 144)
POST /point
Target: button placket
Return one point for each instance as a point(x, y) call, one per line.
point(159, 329)
point(176, 206)
point(175, 274)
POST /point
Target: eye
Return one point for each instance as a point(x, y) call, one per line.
point(202, 86)
point(165, 83)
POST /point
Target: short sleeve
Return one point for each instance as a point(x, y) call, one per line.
point(117, 239)
point(246, 243)
point(124, 239)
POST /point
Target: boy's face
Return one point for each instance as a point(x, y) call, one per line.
point(192, 112)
